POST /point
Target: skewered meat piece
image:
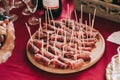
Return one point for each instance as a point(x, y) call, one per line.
point(58, 64)
point(45, 61)
point(32, 48)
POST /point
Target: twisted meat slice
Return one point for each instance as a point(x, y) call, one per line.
point(59, 45)
point(49, 27)
point(91, 35)
point(44, 60)
point(77, 63)
point(40, 35)
point(85, 55)
point(58, 64)
point(89, 40)
point(32, 48)
point(71, 63)
point(54, 50)
point(87, 44)
point(65, 60)
point(38, 43)
point(85, 48)
point(47, 54)
point(59, 38)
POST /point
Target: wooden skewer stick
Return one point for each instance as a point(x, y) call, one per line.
point(46, 31)
point(48, 16)
point(42, 45)
point(51, 14)
point(55, 41)
point(81, 13)
point(93, 19)
point(72, 35)
point(46, 19)
point(89, 19)
point(86, 29)
point(65, 42)
point(47, 40)
point(40, 28)
point(52, 17)
point(28, 28)
point(76, 48)
point(90, 24)
point(76, 16)
point(82, 36)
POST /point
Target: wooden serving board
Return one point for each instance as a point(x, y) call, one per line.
point(95, 56)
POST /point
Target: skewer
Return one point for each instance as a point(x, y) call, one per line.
point(52, 17)
point(86, 30)
point(75, 15)
point(68, 15)
point(46, 19)
point(75, 51)
point(81, 13)
point(89, 19)
point(51, 14)
point(40, 28)
point(46, 30)
point(42, 45)
point(48, 16)
point(55, 41)
point(72, 35)
point(90, 24)
point(80, 36)
point(47, 40)
point(61, 28)
point(93, 19)
point(28, 28)
point(65, 42)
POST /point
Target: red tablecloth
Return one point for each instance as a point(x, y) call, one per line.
point(18, 67)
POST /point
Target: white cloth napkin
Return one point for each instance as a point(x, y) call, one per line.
point(114, 37)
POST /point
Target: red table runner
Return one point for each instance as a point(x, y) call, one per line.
point(18, 67)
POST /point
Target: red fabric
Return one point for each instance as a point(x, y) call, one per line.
point(18, 66)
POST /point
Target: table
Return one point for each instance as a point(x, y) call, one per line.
point(18, 67)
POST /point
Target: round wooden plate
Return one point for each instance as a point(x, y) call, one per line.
point(95, 56)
